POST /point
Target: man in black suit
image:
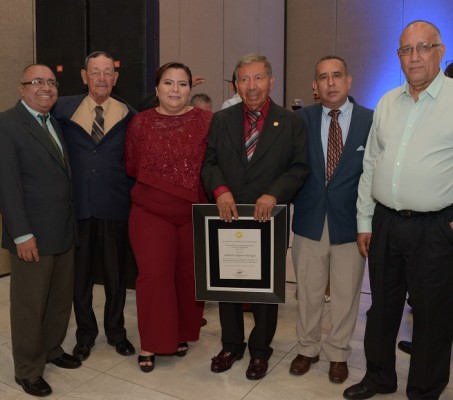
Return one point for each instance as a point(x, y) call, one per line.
point(256, 154)
point(38, 229)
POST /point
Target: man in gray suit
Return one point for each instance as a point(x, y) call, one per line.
point(38, 229)
point(256, 154)
point(325, 224)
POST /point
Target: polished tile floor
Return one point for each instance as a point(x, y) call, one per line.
point(109, 376)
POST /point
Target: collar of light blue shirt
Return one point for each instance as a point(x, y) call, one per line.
point(433, 89)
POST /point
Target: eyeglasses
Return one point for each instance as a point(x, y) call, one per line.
point(421, 48)
point(40, 83)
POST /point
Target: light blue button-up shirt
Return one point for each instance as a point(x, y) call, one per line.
point(408, 162)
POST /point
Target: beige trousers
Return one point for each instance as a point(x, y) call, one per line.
point(314, 263)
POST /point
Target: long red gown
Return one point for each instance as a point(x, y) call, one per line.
point(164, 154)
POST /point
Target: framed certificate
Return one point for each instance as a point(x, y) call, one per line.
point(240, 261)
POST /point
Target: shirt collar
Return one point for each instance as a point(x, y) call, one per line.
point(347, 105)
point(92, 104)
point(433, 89)
point(263, 110)
point(31, 111)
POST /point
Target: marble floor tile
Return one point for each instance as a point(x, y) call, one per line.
point(107, 375)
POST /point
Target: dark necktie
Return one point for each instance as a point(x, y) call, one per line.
point(44, 119)
point(251, 138)
point(334, 144)
point(97, 131)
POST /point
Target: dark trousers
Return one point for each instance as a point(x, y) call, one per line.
point(415, 255)
point(108, 239)
point(232, 321)
point(41, 304)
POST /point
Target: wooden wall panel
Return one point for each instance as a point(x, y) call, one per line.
point(272, 42)
point(311, 34)
point(201, 41)
point(170, 30)
point(211, 35)
point(16, 46)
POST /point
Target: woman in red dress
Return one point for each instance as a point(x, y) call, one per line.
point(165, 148)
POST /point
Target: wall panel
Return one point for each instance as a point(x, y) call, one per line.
point(311, 34)
point(440, 13)
point(202, 45)
point(211, 35)
point(367, 39)
point(16, 46)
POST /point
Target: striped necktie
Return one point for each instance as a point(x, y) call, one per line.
point(334, 144)
point(97, 131)
point(251, 138)
point(43, 118)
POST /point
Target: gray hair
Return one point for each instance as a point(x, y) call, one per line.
point(253, 58)
point(96, 54)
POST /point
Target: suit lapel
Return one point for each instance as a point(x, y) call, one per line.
point(59, 132)
point(38, 133)
point(235, 123)
point(316, 140)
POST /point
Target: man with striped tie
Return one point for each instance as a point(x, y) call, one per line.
point(256, 154)
point(94, 125)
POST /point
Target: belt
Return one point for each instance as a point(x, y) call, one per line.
point(411, 213)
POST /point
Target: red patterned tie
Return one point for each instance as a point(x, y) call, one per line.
point(251, 138)
point(334, 144)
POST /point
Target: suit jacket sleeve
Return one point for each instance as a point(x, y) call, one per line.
point(12, 204)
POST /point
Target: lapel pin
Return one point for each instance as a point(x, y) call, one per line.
point(275, 123)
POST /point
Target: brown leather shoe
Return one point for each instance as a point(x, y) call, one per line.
point(257, 368)
point(301, 364)
point(224, 360)
point(338, 372)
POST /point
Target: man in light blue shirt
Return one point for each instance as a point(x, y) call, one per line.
point(405, 200)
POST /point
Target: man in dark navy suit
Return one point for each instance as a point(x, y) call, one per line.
point(324, 224)
point(96, 147)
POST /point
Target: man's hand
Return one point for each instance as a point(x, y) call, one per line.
point(227, 207)
point(263, 207)
point(363, 242)
point(27, 250)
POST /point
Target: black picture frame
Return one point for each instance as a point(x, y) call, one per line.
point(269, 287)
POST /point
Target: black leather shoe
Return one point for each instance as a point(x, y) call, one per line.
point(361, 391)
point(124, 347)
point(224, 360)
point(66, 361)
point(82, 351)
point(35, 386)
point(257, 368)
point(405, 346)
point(358, 391)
